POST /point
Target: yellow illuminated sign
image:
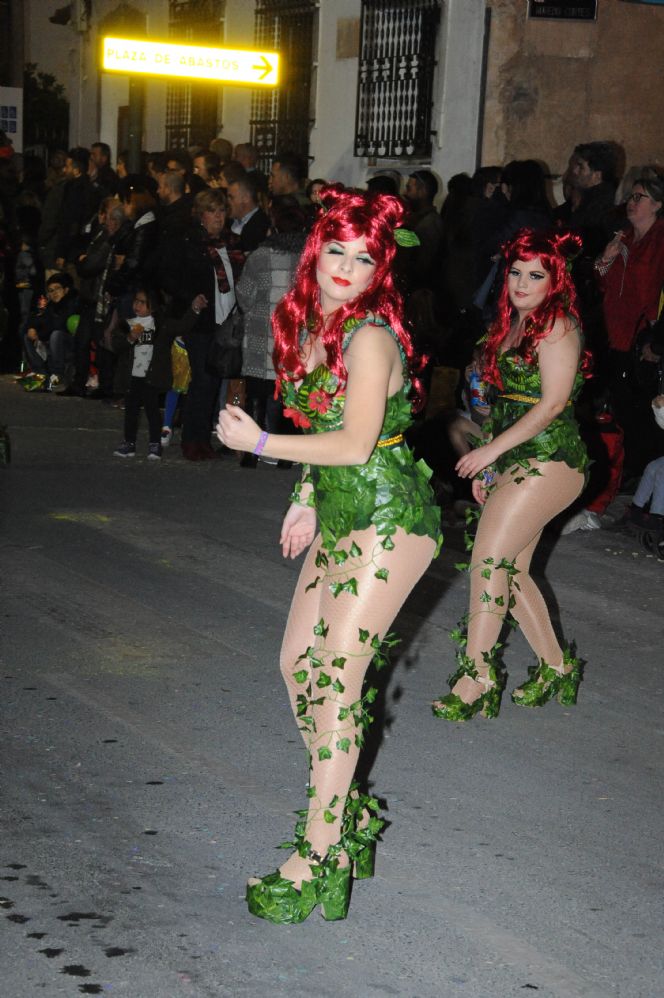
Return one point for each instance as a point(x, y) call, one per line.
point(193, 62)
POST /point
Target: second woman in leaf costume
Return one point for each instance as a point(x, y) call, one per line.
point(365, 510)
point(530, 468)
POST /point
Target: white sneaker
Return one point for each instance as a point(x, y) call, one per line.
point(585, 519)
point(166, 436)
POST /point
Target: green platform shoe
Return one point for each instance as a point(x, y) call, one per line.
point(277, 900)
point(546, 683)
point(453, 708)
point(361, 828)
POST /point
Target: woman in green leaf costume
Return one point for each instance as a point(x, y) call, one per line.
point(529, 469)
point(346, 369)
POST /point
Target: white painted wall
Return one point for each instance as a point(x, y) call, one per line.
point(236, 106)
point(73, 59)
point(457, 104)
point(456, 97)
point(336, 94)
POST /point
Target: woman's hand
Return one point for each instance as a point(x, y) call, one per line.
point(237, 430)
point(475, 461)
point(612, 249)
point(480, 493)
point(198, 304)
point(298, 530)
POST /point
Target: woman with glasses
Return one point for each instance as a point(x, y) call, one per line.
point(631, 272)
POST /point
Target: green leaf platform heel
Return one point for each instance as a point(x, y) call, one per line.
point(453, 708)
point(362, 827)
point(546, 683)
point(277, 900)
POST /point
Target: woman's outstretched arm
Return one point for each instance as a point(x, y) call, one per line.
point(370, 360)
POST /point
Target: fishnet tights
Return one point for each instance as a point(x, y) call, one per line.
point(372, 610)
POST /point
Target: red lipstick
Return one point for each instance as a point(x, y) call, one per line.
point(341, 281)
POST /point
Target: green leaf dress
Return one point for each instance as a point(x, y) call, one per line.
point(560, 441)
point(392, 489)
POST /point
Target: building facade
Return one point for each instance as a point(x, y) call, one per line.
point(373, 84)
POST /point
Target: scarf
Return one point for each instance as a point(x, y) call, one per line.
point(231, 243)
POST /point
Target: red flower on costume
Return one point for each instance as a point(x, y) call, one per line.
point(298, 418)
point(319, 401)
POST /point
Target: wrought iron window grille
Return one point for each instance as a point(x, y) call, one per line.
point(282, 118)
point(193, 111)
point(398, 46)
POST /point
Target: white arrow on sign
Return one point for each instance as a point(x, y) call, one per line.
point(192, 62)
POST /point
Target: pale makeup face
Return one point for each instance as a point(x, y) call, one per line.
point(528, 284)
point(344, 271)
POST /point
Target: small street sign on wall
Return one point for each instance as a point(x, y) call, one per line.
point(563, 10)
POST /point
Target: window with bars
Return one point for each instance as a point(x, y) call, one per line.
point(193, 110)
point(398, 44)
point(281, 118)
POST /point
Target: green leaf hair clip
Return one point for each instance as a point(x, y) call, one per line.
point(404, 237)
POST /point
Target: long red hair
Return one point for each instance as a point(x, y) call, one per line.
point(344, 216)
point(556, 251)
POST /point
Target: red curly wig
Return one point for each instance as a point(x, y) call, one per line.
point(556, 251)
point(345, 215)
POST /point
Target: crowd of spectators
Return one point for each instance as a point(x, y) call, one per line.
point(202, 232)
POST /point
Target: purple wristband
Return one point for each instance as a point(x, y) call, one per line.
point(262, 440)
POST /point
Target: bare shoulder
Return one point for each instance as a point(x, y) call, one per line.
point(372, 341)
point(565, 329)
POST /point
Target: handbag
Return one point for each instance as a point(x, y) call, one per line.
point(224, 359)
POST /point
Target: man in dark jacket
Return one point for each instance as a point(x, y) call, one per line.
point(94, 268)
point(592, 171)
point(103, 176)
point(51, 214)
point(79, 203)
point(250, 222)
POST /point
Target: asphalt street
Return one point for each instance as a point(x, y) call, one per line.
point(150, 762)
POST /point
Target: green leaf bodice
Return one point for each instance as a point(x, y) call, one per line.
point(392, 489)
point(559, 441)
